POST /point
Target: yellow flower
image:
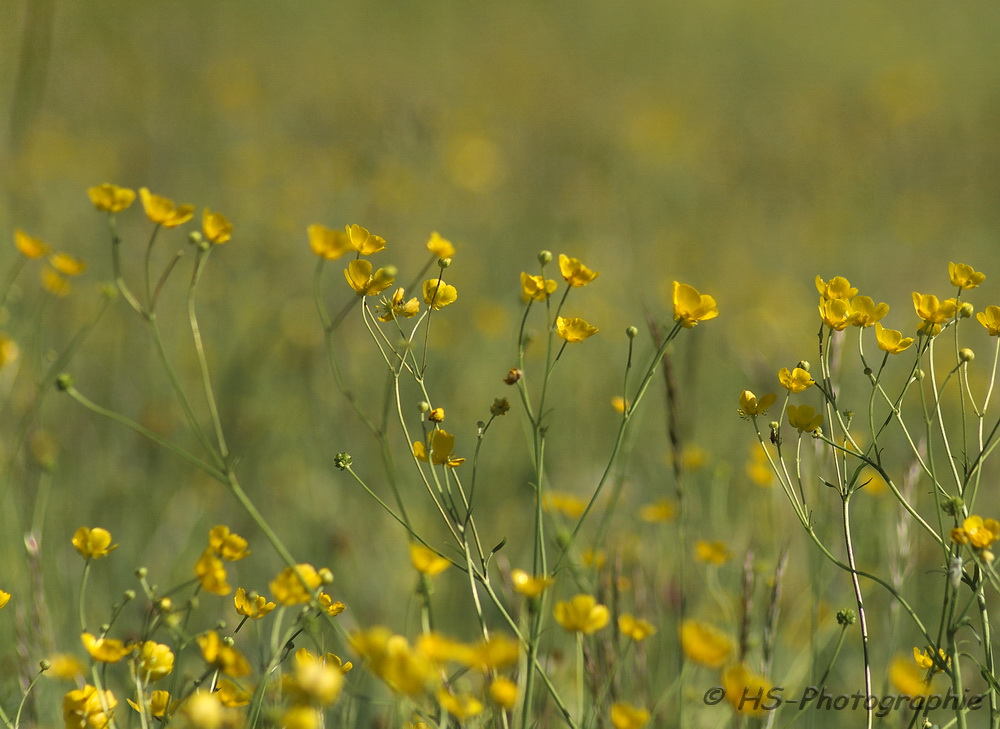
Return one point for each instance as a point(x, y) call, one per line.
point(933, 312)
point(620, 404)
point(301, 716)
point(977, 532)
point(716, 553)
point(254, 607)
point(964, 276)
point(890, 340)
point(364, 242)
point(328, 243)
point(288, 589)
point(313, 681)
point(93, 543)
point(739, 681)
point(29, 246)
point(536, 287)
point(837, 313)
point(331, 607)
point(838, 288)
point(462, 707)
point(218, 654)
point(9, 351)
point(359, 275)
point(704, 643)
point(390, 658)
point(440, 247)
point(216, 227)
point(110, 198)
point(398, 307)
point(212, 573)
point(907, 678)
point(231, 695)
point(436, 415)
point(638, 629)
point(581, 614)
point(575, 273)
point(529, 585)
point(155, 660)
point(67, 265)
point(66, 666)
point(438, 294)
point(228, 545)
point(691, 307)
point(924, 660)
point(105, 650)
point(204, 711)
point(759, 468)
point(574, 329)
point(660, 512)
point(566, 504)
point(163, 211)
point(441, 445)
point(795, 381)
point(88, 708)
point(499, 651)
point(503, 691)
point(867, 311)
point(990, 318)
point(595, 558)
point(626, 716)
point(157, 703)
point(751, 405)
point(54, 282)
point(804, 418)
point(4, 599)
point(426, 561)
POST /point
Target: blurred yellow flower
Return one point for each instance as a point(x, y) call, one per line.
point(499, 651)
point(990, 319)
point(254, 607)
point(933, 312)
point(228, 545)
point(328, 243)
point(438, 294)
point(426, 561)
point(867, 311)
point(566, 504)
point(907, 678)
point(440, 247)
point(716, 553)
point(638, 629)
point(158, 702)
point(660, 512)
point(536, 287)
point(212, 573)
point(890, 340)
point(529, 585)
point(88, 708)
point(163, 211)
point(390, 658)
point(964, 276)
point(575, 273)
point(359, 275)
point(66, 666)
point(436, 415)
point(462, 707)
point(67, 265)
point(836, 313)
point(54, 282)
point(977, 532)
point(837, 288)
point(739, 681)
point(203, 710)
point(364, 242)
point(924, 660)
point(581, 614)
point(704, 643)
point(216, 227)
point(595, 558)
point(691, 307)
point(759, 467)
point(751, 405)
point(796, 380)
point(105, 650)
point(4, 599)
point(620, 404)
point(155, 660)
point(574, 329)
point(29, 246)
point(313, 680)
point(288, 589)
point(110, 198)
point(626, 716)
point(804, 418)
point(9, 351)
point(503, 691)
point(231, 695)
point(219, 654)
point(93, 543)
point(398, 307)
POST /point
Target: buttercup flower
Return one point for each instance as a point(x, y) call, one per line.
point(359, 275)
point(462, 707)
point(106, 650)
point(804, 418)
point(29, 246)
point(364, 242)
point(254, 608)
point(504, 692)
point(933, 312)
point(54, 282)
point(581, 614)
point(93, 543)
point(216, 227)
point(574, 329)
point(399, 307)
point(529, 585)
point(837, 288)
point(314, 681)
point(626, 716)
point(67, 265)
point(977, 532)
point(536, 287)
point(155, 660)
point(328, 243)
point(287, 588)
point(738, 681)
point(331, 607)
point(575, 273)
point(691, 307)
point(66, 666)
point(924, 660)
point(964, 276)
point(228, 545)
point(566, 504)
point(638, 629)
point(704, 643)
point(9, 351)
point(212, 573)
point(218, 654)
point(158, 702)
point(441, 445)
point(990, 319)
point(890, 340)
point(391, 658)
point(867, 311)
point(440, 247)
point(229, 694)
point(426, 560)
point(163, 211)
point(660, 512)
point(716, 553)
point(88, 708)
point(111, 198)
point(438, 294)
point(907, 679)
point(837, 313)
point(796, 380)
point(751, 405)
point(4, 599)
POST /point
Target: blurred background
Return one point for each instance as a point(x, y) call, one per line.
point(742, 148)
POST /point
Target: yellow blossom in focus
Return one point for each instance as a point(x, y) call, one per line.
point(157, 703)
point(907, 679)
point(331, 607)
point(218, 654)
point(216, 227)
point(110, 198)
point(88, 708)
point(29, 246)
point(574, 329)
point(704, 643)
point(359, 275)
point(441, 444)
point(397, 306)
point(228, 545)
point(990, 319)
point(964, 276)
point(796, 380)
point(739, 681)
point(426, 561)
point(436, 415)
point(924, 660)
point(66, 666)
point(288, 589)
point(529, 585)
point(440, 247)
point(93, 543)
point(163, 211)
point(977, 532)
point(867, 311)
point(438, 294)
point(638, 629)
point(751, 405)
point(254, 608)
point(804, 418)
point(575, 273)
point(364, 242)
point(231, 695)
point(328, 243)
point(691, 307)
point(566, 504)
point(54, 282)
point(105, 650)
point(890, 340)
point(503, 691)
point(212, 573)
point(660, 512)
point(626, 716)
point(155, 660)
point(536, 287)
point(66, 264)
point(716, 553)
point(837, 288)
point(933, 312)
point(837, 313)
point(462, 707)
point(581, 614)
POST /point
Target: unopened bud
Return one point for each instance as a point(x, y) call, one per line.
point(141, 572)
point(631, 332)
point(803, 365)
point(129, 595)
point(423, 406)
point(444, 263)
point(846, 617)
point(326, 575)
point(966, 310)
point(195, 238)
point(64, 382)
point(918, 375)
point(966, 355)
point(44, 665)
point(545, 257)
point(342, 461)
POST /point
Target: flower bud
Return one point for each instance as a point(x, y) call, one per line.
point(442, 263)
point(64, 382)
point(342, 461)
point(803, 365)
point(918, 375)
point(141, 572)
point(44, 665)
point(631, 332)
point(966, 355)
point(195, 238)
point(423, 406)
point(129, 595)
point(325, 574)
point(846, 617)
point(966, 310)
point(545, 257)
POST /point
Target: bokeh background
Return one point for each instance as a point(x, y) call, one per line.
point(743, 148)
